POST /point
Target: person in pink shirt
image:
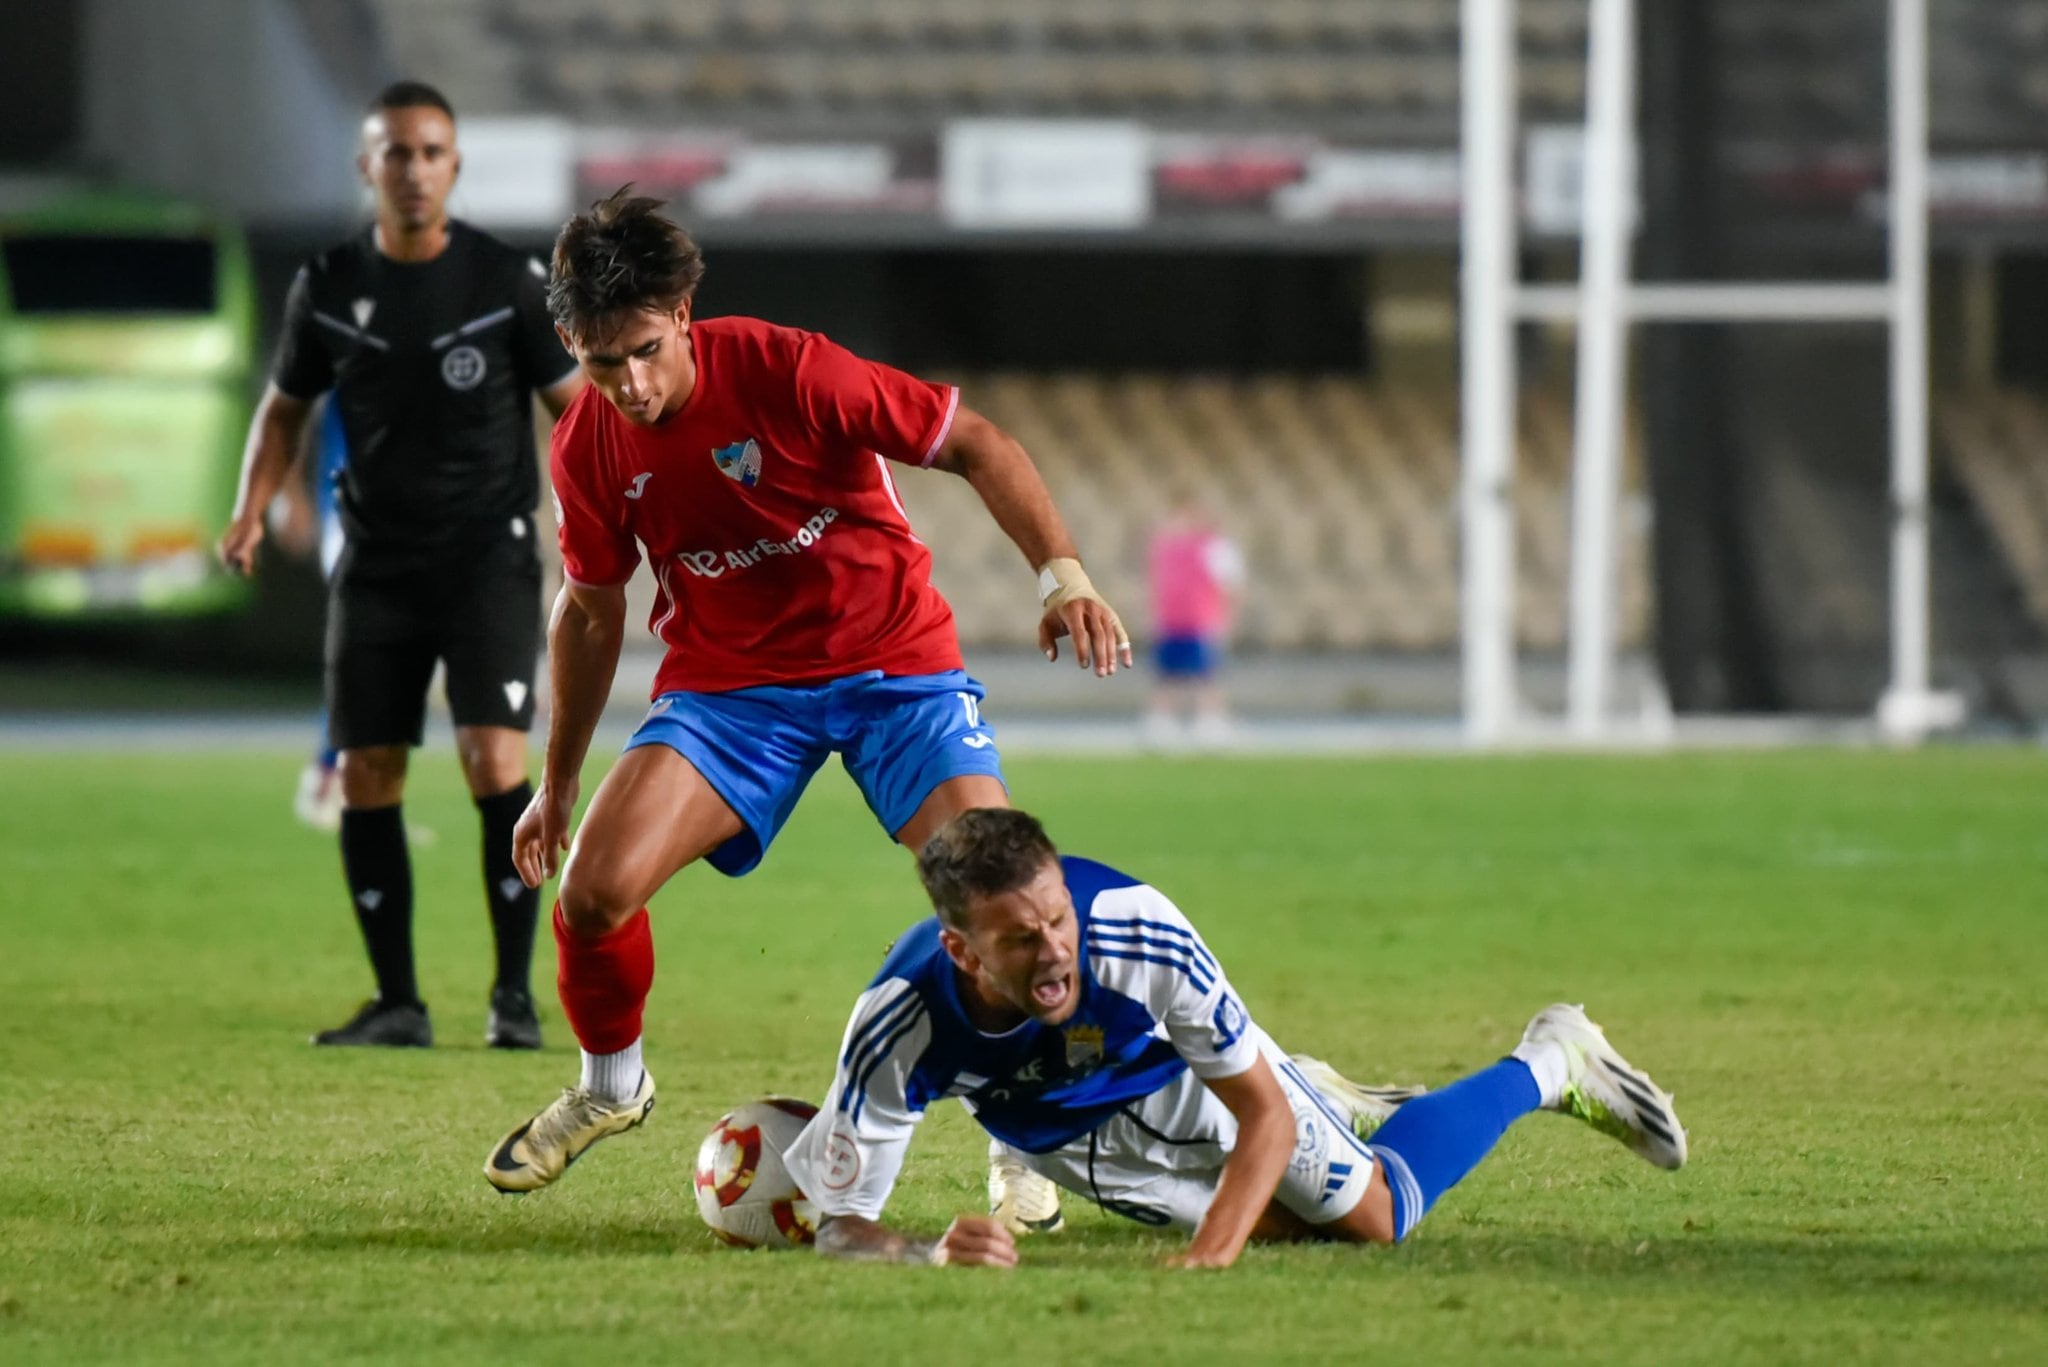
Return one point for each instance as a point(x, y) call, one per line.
point(751, 465)
point(1195, 573)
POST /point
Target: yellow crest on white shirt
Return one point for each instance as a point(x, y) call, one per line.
point(1084, 1046)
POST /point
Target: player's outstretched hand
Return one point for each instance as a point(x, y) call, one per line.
point(1099, 640)
point(542, 834)
point(1074, 608)
point(237, 546)
point(976, 1241)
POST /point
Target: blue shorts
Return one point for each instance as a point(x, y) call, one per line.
point(1187, 657)
point(900, 737)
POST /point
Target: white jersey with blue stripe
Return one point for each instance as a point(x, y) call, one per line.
point(1154, 1005)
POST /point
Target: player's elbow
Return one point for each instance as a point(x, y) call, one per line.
point(831, 1239)
point(589, 615)
point(283, 414)
point(975, 445)
point(851, 1237)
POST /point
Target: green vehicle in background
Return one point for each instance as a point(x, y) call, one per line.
point(126, 337)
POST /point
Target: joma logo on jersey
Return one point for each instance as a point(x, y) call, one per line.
point(712, 564)
point(740, 462)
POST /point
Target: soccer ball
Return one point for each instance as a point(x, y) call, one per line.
point(743, 1191)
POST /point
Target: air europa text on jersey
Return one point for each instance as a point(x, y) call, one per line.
point(712, 564)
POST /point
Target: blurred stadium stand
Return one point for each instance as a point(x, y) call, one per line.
point(1296, 368)
point(1386, 69)
point(1341, 491)
point(1997, 445)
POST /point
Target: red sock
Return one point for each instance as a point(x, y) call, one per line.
point(603, 982)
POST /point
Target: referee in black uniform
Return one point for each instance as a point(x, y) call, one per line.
point(434, 337)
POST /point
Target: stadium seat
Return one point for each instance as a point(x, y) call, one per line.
point(1342, 493)
point(1368, 68)
point(1995, 445)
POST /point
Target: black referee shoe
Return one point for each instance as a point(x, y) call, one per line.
point(513, 1023)
point(392, 1025)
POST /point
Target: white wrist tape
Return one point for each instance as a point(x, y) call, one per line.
point(1063, 581)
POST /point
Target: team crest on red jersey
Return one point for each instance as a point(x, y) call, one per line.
point(740, 461)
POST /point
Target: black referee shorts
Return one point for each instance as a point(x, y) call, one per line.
point(389, 618)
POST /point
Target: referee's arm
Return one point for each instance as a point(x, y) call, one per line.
point(275, 437)
point(557, 397)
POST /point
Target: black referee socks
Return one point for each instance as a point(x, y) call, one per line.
point(379, 871)
point(514, 906)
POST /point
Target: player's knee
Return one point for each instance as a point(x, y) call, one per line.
point(489, 774)
point(1371, 1221)
point(373, 776)
point(493, 759)
point(593, 903)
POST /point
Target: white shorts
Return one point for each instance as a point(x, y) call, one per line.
point(1158, 1161)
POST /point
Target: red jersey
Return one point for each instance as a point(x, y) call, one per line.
point(767, 512)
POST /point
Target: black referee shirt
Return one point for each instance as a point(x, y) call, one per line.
point(433, 364)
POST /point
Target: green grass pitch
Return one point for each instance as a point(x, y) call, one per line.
point(1838, 961)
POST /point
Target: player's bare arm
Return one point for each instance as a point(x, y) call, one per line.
point(971, 1240)
point(276, 434)
point(584, 635)
point(1000, 470)
point(1252, 1172)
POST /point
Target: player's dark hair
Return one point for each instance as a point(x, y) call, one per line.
point(621, 258)
point(981, 853)
point(411, 95)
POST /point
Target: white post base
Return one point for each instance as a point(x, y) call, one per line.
point(1909, 716)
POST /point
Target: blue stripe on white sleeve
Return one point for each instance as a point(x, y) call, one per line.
point(1187, 968)
point(908, 1022)
point(1144, 925)
point(875, 1024)
point(1143, 940)
point(872, 1045)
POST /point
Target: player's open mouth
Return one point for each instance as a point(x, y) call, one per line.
point(1051, 996)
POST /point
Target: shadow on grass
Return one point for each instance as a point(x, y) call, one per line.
point(2000, 1275)
point(2005, 1276)
point(618, 1238)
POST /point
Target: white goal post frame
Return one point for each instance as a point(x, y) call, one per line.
point(1605, 302)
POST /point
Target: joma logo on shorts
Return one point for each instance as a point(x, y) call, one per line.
point(712, 564)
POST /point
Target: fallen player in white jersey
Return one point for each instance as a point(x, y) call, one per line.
point(1083, 1022)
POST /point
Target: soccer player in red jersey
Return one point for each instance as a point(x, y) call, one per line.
point(752, 463)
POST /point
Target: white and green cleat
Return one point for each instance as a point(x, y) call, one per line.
point(1607, 1092)
point(539, 1151)
point(1368, 1108)
point(1021, 1200)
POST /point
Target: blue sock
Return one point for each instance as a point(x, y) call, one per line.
point(1433, 1141)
